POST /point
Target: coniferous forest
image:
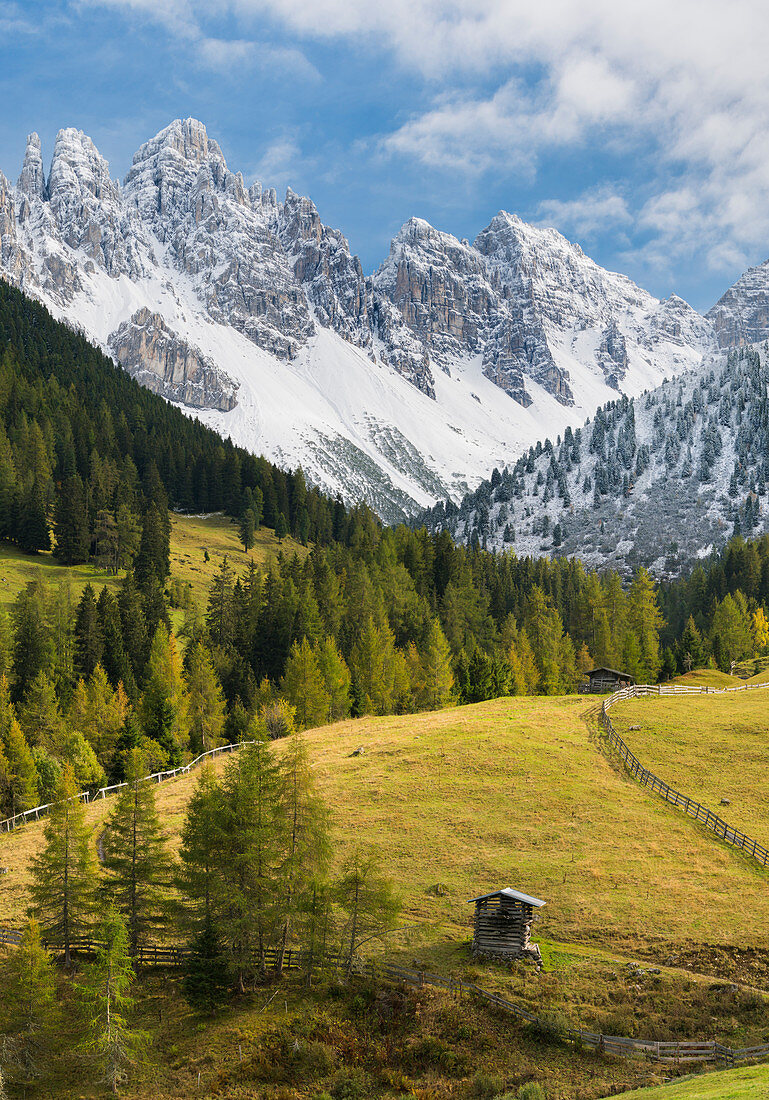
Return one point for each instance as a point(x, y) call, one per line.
point(372, 620)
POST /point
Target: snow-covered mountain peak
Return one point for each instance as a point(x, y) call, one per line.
point(31, 181)
point(256, 314)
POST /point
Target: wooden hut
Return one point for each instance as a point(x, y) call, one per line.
point(502, 924)
point(603, 680)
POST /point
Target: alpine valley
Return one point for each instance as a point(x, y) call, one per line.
point(401, 388)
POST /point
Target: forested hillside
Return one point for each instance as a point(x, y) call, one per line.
point(370, 620)
point(658, 480)
point(86, 451)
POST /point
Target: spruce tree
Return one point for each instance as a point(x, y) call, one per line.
point(645, 619)
point(247, 529)
point(73, 537)
point(369, 902)
point(89, 641)
point(164, 710)
point(135, 857)
point(105, 1003)
point(152, 562)
point(29, 997)
point(33, 649)
point(437, 679)
point(336, 680)
point(21, 790)
point(252, 831)
point(64, 873)
point(205, 982)
point(281, 527)
point(304, 686)
point(40, 717)
point(202, 842)
point(308, 846)
point(205, 706)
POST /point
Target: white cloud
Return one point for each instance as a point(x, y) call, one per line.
point(590, 213)
point(679, 88)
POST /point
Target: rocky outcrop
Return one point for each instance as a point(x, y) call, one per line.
point(31, 182)
point(741, 316)
point(220, 234)
point(166, 364)
point(184, 234)
point(331, 276)
point(612, 355)
point(87, 208)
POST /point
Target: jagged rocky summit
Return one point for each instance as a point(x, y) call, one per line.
point(400, 387)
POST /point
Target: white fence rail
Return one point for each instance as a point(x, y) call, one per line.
point(36, 812)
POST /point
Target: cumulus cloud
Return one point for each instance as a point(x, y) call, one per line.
point(679, 88)
point(590, 213)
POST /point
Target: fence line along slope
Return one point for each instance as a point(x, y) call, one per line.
point(702, 755)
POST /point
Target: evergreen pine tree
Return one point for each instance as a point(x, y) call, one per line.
point(21, 782)
point(164, 707)
point(304, 686)
point(33, 646)
point(336, 680)
point(369, 902)
point(281, 527)
point(201, 866)
point(106, 1003)
point(89, 642)
point(437, 680)
point(72, 531)
point(247, 529)
point(205, 701)
point(307, 840)
point(29, 996)
point(135, 858)
point(64, 873)
point(40, 718)
point(645, 619)
point(205, 978)
point(252, 831)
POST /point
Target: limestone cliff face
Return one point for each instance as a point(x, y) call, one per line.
point(523, 300)
point(323, 264)
point(741, 316)
point(166, 364)
point(221, 235)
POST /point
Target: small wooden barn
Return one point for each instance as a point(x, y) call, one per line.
point(603, 680)
point(502, 924)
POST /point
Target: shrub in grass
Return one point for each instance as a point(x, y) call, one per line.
point(486, 1086)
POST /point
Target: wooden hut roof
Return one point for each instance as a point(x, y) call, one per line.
point(613, 671)
point(507, 892)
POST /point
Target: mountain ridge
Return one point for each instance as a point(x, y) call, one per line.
point(403, 386)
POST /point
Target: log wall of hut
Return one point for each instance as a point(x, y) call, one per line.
point(502, 927)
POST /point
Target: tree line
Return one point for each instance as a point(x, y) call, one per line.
point(252, 881)
point(85, 451)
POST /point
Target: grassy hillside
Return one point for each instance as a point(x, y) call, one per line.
point(191, 537)
point(750, 1083)
point(510, 792)
point(709, 747)
point(708, 677)
point(513, 792)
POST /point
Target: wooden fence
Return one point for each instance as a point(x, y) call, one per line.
point(36, 812)
point(620, 1045)
point(648, 779)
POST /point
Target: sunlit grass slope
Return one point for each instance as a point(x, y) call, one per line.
point(707, 677)
point(710, 747)
point(511, 792)
point(744, 1083)
point(191, 537)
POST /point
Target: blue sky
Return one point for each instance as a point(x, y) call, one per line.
point(640, 131)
